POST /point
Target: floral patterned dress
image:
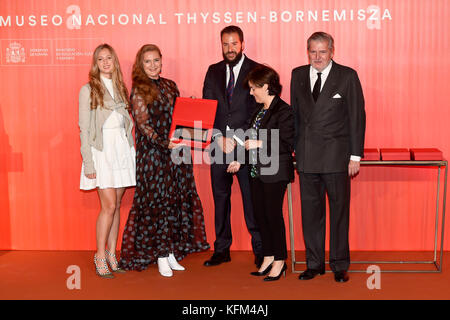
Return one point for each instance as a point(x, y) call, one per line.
point(166, 215)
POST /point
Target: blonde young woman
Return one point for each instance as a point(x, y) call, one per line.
point(107, 149)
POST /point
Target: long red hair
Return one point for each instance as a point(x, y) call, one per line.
point(141, 83)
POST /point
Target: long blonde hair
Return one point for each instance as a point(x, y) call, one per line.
point(97, 89)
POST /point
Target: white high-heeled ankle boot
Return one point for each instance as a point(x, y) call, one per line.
point(173, 263)
point(164, 267)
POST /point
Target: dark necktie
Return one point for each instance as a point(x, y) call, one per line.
point(317, 85)
point(230, 86)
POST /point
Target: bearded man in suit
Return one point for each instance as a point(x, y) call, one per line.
point(330, 127)
point(224, 82)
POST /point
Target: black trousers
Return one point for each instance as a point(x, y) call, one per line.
point(221, 182)
point(313, 189)
point(268, 206)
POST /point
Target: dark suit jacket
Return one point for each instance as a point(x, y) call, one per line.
point(329, 131)
point(242, 106)
point(279, 116)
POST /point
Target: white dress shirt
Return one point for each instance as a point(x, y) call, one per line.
point(236, 70)
point(313, 75)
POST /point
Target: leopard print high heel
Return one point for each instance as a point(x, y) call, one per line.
point(117, 269)
point(103, 270)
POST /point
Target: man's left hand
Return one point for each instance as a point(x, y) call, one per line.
point(353, 168)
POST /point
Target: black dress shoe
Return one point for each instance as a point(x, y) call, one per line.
point(262, 273)
point(259, 261)
point(218, 258)
point(309, 274)
point(283, 271)
point(341, 276)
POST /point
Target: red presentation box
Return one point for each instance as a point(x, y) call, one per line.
point(371, 154)
point(192, 122)
point(426, 154)
point(395, 154)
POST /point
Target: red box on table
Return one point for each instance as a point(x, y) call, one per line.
point(371, 154)
point(395, 154)
point(426, 154)
point(192, 122)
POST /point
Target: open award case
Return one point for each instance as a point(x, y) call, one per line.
point(192, 122)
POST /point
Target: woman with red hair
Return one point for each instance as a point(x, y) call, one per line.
point(166, 220)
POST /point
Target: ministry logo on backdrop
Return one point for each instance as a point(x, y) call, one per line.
point(75, 18)
point(47, 52)
point(15, 53)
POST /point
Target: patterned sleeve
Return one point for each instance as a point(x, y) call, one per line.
point(177, 92)
point(142, 118)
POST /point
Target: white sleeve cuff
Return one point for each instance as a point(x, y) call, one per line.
point(355, 158)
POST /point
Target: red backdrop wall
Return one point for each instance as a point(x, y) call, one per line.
point(399, 48)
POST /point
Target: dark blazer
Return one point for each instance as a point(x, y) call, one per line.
point(279, 116)
point(242, 106)
point(332, 129)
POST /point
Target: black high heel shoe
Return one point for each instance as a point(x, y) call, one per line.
point(262, 273)
point(283, 271)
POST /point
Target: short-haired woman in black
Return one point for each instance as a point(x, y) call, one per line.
point(273, 124)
